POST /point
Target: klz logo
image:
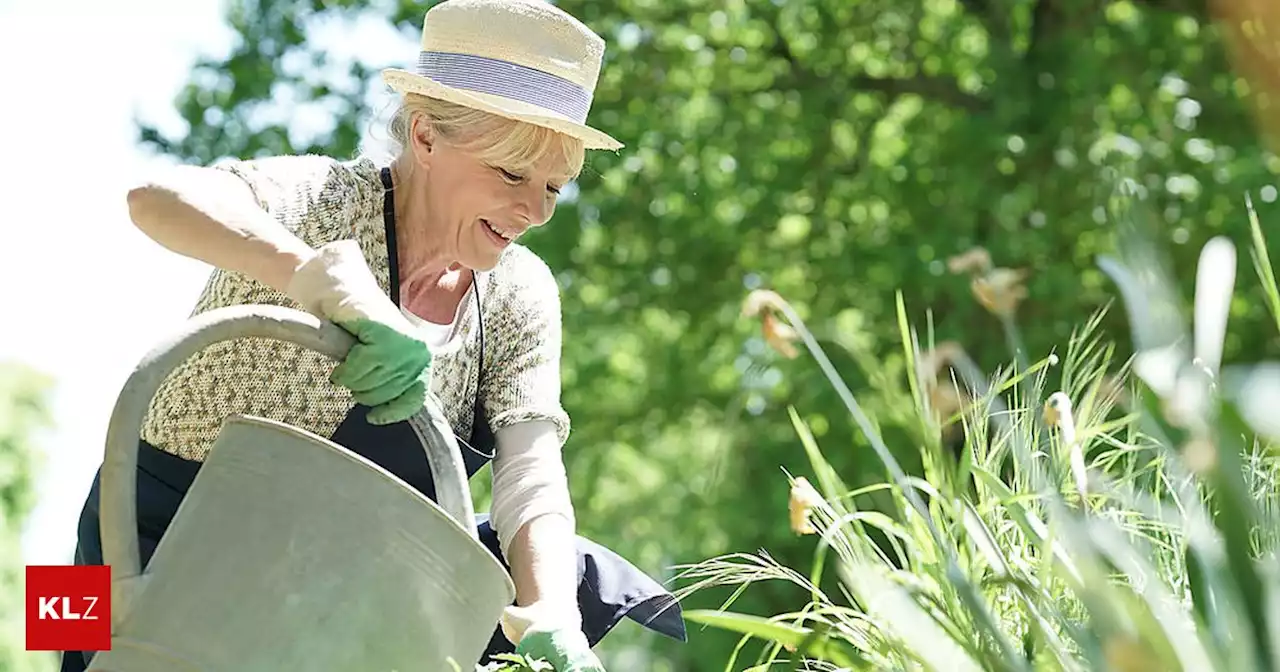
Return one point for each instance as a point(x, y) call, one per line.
point(69, 608)
point(59, 608)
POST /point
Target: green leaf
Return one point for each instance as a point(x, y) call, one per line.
point(805, 641)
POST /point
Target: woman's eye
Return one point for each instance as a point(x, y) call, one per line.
point(519, 179)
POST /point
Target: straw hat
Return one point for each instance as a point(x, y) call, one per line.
point(523, 59)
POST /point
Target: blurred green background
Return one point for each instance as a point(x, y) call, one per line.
point(835, 151)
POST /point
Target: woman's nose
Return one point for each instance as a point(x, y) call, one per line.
point(536, 204)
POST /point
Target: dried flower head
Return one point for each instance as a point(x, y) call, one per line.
point(768, 305)
point(760, 301)
point(1057, 413)
point(946, 399)
point(933, 362)
point(1057, 409)
point(1000, 290)
point(779, 335)
point(975, 260)
point(804, 499)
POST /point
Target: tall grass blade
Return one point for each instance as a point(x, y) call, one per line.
point(804, 641)
point(899, 617)
point(1262, 263)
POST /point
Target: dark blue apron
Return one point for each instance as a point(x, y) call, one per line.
point(609, 587)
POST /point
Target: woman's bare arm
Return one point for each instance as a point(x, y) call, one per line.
point(212, 215)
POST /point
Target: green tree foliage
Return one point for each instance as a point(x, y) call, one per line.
point(23, 412)
point(835, 151)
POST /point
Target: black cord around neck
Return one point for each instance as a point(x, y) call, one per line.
point(479, 423)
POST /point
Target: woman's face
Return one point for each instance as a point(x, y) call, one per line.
point(474, 209)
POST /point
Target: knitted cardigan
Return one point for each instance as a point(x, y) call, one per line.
point(321, 200)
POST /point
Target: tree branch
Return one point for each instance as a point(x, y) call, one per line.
point(782, 49)
point(1042, 18)
point(994, 20)
point(1198, 9)
point(938, 89)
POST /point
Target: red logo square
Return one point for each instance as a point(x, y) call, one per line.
point(69, 608)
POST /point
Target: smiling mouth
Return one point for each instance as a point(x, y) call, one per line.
point(496, 231)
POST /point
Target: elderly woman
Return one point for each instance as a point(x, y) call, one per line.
point(418, 259)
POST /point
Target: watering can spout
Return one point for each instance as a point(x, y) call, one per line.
point(282, 527)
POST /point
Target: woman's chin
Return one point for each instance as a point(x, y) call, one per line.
point(483, 261)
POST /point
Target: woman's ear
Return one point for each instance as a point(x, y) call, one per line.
point(422, 139)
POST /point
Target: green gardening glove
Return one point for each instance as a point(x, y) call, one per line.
point(554, 635)
point(386, 370)
point(566, 649)
point(388, 367)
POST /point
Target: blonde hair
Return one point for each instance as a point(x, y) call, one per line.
point(511, 144)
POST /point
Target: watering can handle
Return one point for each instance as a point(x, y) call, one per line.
point(118, 516)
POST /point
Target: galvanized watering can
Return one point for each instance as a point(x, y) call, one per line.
point(291, 553)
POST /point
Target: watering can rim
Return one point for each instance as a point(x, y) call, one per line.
point(118, 513)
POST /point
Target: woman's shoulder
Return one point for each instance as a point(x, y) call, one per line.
point(524, 276)
point(523, 299)
point(285, 180)
point(299, 168)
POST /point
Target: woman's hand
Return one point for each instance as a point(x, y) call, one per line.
point(387, 368)
point(541, 635)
